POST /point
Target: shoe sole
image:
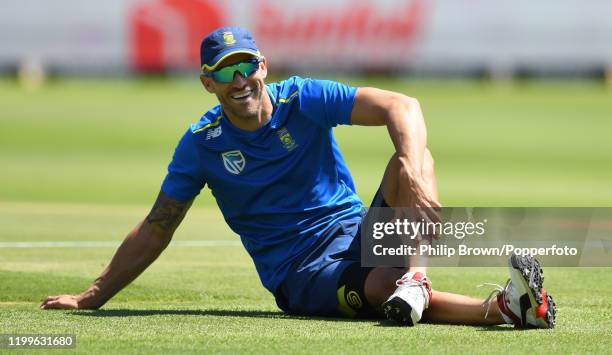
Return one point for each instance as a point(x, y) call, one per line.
point(526, 271)
point(399, 311)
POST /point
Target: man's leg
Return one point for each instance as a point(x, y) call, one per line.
point(390, 190)
point(443, 307)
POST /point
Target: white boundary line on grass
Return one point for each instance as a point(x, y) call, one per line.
point(109, 244)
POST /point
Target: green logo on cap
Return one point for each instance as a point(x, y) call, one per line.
point(228, 38)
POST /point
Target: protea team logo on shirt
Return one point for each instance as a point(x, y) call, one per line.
point(286, 139)
point(233, 161)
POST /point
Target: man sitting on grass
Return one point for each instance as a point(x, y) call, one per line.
point(268, 155)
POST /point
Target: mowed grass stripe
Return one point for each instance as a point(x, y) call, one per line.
point(103, 244)
point(537, 145)
point(86, 222)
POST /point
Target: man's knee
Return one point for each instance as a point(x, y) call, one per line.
point(428, 163)
point(390, 182)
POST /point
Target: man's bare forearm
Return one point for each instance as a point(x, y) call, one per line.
point(139, 249)
point(406, 126)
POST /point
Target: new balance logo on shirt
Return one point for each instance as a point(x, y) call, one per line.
point(213, 133)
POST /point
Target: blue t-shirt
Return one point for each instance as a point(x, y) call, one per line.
point(279, 187)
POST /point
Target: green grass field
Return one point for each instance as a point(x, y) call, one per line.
point(82, 161)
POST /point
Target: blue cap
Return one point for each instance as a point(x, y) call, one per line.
point(224, 42)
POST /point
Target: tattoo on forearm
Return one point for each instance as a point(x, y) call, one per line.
point(167, 213)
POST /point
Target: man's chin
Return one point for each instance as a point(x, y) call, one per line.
point(245, 115)
point(246, 112)
point(249, 111)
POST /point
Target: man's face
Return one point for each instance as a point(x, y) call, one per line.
point(243, 97)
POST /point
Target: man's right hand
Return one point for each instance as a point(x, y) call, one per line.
point(61, 302)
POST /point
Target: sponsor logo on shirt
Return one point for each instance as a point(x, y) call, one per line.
point(233, 161)
point(286, 139)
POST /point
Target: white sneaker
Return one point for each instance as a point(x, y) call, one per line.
point(405, 306)
point(524, 302)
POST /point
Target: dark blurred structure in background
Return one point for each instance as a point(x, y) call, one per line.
point(420, 37)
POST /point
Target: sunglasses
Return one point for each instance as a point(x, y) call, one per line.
point(245, 68)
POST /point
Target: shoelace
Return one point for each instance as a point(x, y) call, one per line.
point(424, 284)
point(404, 280)
point(496, 291)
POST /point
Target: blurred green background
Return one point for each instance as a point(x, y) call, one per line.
point(514, 144)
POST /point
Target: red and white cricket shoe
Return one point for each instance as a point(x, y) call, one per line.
point(524, 302)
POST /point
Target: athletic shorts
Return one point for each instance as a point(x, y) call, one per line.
point(329, 280)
